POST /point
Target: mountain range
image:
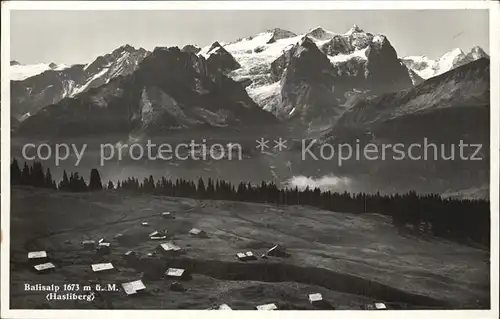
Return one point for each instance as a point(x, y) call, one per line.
point(334, 87)
point(337, 66)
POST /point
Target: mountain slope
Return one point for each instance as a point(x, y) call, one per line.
point(465, 86)
point(170, 89)
point(53, 85)
point(416, 134)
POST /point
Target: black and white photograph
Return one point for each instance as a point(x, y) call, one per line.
point(255, 158)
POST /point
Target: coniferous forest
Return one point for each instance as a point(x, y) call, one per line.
point(455, 219)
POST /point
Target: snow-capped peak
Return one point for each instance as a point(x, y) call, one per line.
point(427, 68)
point(19, 72)
point(208, 51)
point(448, 60)
point(354, 29)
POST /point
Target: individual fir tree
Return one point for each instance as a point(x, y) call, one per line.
point(111, 186)
point(37, 175)
point(15, 173)
point(95, 183)
point(64, 184)
point(49, 182)
point(200, 189)
point(26, 175)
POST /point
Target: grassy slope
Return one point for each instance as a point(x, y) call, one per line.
point(366, 247)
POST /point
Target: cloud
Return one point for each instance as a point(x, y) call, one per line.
point(325, 183)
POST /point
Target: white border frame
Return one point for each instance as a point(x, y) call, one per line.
point(494, 19)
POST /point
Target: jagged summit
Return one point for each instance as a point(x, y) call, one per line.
point(320, 34)
point(477, 52)
point(215, 45)
point(127, 48)
point(278, 34)
point(191, 48)
point(455, 51)
point(354, 29)
point(280, 31)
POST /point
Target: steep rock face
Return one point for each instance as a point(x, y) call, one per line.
point(339, 44)
point(307, 88)
point(170, 89)
point(375, 67)
point(415, 78)
point(51, 86)
point(384, 70)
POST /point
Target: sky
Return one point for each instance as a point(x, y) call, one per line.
point(71, 37)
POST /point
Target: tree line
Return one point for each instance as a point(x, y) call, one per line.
point(456, 219)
